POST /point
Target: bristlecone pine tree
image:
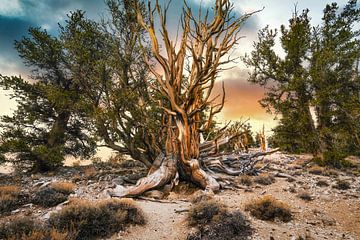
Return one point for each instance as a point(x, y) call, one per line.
point(121, 106)
point(185, 78)
point(319, 72)
point(49, 121)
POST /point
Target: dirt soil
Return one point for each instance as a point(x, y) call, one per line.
point(331, 214)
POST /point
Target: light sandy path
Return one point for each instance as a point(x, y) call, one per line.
point(162, 222)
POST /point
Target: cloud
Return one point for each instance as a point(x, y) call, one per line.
point(241, 99)
point(11, 28)
point(11, 8)
point(16, 16)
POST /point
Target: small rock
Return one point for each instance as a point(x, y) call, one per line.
point(15, 211)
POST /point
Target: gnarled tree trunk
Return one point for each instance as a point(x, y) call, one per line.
point(188, 72)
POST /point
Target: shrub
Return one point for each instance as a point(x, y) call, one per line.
point(204, 212)
point(17, 228)
point(267, 208)
point(48, 197)
point(11, 198)
point(215, 222)
point(63, 187)
point(25, 228)
point(264, 179)
point(201, 197)
point(305, 196)
point(246, 180)
point(10, 190)
point(98, 219)
point(342, 185)
point(333, 158)
point(56, 193)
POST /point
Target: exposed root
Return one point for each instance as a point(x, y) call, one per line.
point(164, 174)
point(199, 176)
point(211, 172)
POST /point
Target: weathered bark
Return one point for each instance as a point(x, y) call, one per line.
point(262, 139)
point(204, 172)
point(185, 99)
point(57, 132)
point(165, 174)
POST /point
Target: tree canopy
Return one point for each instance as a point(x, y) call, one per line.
point(318, 74)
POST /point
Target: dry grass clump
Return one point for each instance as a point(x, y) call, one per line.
point(17, 228)
point(201, 197)
point(204, 212)
point(90, 172)
point(63, 187)
point(268, 208)
point(305, 196)
point(214, 221)
point(264, 179)
point(317, 170)
point(25, 228)
point(49, 197)
point(246, 180)
point(10, 198)
point(342, 185)
point(116, 160)
point(96, 219)
point(54, 194)
point(10, 190)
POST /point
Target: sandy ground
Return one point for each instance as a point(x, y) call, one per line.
point(164, 221)
point(332, 214)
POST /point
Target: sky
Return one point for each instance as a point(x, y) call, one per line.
point(16, 16)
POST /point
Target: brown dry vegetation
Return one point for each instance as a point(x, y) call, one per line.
point(10, 190)
point(269, 209)
point(317, 170)
point(63, 187)
point(48, 197)
point(96, 219)
point(10, 198)
point(90, 172)
point(264, 179)
point(214, 221)
point(81, 219)
point(26, 228)
point(342, 185)
point(246, 180)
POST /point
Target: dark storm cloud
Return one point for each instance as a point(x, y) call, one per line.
point(37, 13)
point(10, 29)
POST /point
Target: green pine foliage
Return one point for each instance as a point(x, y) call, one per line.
point(89, 85)
point(317, 75)
point(49, 122)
